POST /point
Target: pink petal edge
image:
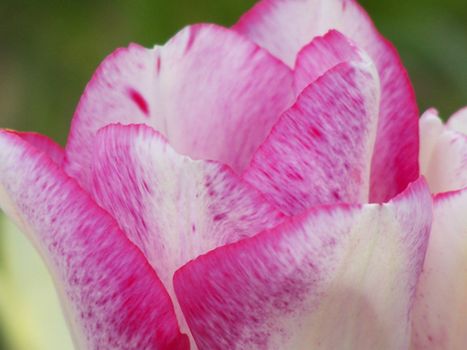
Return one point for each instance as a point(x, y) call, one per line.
point(43, 143)
point(323, 53)
point(106, 285)
point(336, 277)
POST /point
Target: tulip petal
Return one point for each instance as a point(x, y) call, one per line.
point(322, 54)
point(458, 121)
point(179, 207)
point(443, 154)
point(172, 207)
point(211, 92)
point(431, 127)
point(111, 295)
point(448, 166)
point(44, 144)
point(440, 310)
point(284, 27)
point(320, 150)
point(340, 277)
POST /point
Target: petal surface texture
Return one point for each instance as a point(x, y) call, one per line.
point(443, 154)
point(111, 296)
point(337, 277)
point(211, 92)
point(440, 311)
point(44, 144)
point(320, 150)
point(284, 27)
point(172, 207)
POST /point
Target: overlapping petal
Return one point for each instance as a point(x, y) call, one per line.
point(210, 91)
point(111, 295)
point(284, 27)
point(440, 311)
point(339, 277)
point(320, 150)
point(212, 173)
point(172, 207)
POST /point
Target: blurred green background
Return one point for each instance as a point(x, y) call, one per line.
point(49, 50)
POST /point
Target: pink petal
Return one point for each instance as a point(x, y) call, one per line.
point(44, 144)
point(284, 27)
point(440, 311)
point(112, 297)
point(211, 92)
point(444, 152)
point(458, 121)
point(340, 277)
point(172, 207)
point(320, 150)
point(322, 54)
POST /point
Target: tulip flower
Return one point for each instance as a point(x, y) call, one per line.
point(256, 187)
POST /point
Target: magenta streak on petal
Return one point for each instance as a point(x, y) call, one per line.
point(139, 100)
point(285, 27)
point(211, 92)
point(319, 152)
point(172, 207)
point(111, 295)
point(337, 277)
